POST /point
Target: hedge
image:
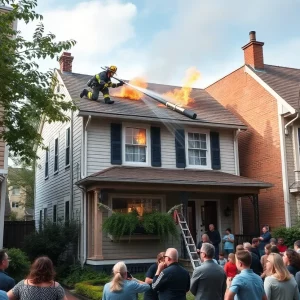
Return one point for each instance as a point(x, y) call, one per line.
point(290, 235)
point(92, 289)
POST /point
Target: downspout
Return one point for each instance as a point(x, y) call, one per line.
point(72, 163)
point(285, 185)
point(286, 131)
point(85, 146)
point(237, 172)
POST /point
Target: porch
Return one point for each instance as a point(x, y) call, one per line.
point(207, 197)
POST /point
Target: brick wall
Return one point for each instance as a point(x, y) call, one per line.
point(259, 146)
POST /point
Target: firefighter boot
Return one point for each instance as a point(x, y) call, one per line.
point(84, 93)
point(108, 101)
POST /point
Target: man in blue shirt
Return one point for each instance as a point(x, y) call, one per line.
point(6, 282)
point(246, 285)
point(264, 239)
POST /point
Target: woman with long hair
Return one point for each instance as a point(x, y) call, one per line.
point(264, 258)
point(152, 295)
point(123, 285)
point(39, 284)
point(279, 284)
point(292, 261)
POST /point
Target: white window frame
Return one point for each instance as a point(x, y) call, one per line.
point(156, 196)
point(208, 157)
point(54, 155)
point(47, 161)
point(67, 148)
point(148, 146)
point(15, 204)
point(16, 188)
point(67, 199)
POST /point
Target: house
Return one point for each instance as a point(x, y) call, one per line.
point(266, 98)
point(3, 160)
point(138, 154)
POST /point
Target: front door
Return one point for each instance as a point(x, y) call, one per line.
point(191, 219)
point(209, 215)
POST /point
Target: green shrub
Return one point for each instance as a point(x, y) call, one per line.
point(52, 240)
point(19, 264)
point(161, 224)
point(119, 224)
point(290, 235)
point(91, 289)
point(78, 274)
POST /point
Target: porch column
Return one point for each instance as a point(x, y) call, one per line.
point(254, 200)
point(97, 227)
point(184, 201)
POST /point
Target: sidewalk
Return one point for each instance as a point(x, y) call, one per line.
point(70, 296)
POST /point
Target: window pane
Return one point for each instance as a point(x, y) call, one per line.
point(140, 204)
point(54, 213)
point(67, 211)
point(203, 162)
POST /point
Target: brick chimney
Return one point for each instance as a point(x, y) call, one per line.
point(65, 62)
point(253, 52)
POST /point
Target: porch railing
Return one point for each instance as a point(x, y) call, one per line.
point(242, 238)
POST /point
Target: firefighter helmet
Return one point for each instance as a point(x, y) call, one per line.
point(112, 69)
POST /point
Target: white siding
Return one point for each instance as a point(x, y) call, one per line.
point(98, 152)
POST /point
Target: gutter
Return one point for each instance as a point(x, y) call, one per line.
point(72, 161)
point(84, 148)
point(286, 131)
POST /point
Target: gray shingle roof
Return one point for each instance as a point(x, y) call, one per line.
point(284, 81)
point(207, 108)
point(172, 176)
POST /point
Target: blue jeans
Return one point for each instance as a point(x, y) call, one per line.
point(228, 251)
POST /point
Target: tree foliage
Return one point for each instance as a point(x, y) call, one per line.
point(27, 94)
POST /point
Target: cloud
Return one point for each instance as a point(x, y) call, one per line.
point(99, 27)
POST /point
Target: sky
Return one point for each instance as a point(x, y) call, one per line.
point(161, 39)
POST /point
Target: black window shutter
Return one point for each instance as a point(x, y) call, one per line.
point(180, 148)
point(155, 147)
point(215, 151)
point(115, 144)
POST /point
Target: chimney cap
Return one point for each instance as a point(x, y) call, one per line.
point(252, 35)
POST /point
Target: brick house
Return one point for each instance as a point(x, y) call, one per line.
point(266, 98)
point(99, 157)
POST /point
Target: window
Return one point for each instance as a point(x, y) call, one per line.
point(67, 211)
point(67, 147)
point(56, 155)
point(16, 191)
point(15, 204)
point(41, 220)
point(47, 163)
point(135, 145)
point(45, 214)
point(198, 149)
point(140, 204)
point(55, 213)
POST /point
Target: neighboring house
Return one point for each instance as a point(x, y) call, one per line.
point(3, 160)
point(142, 155)
point(17, 202)
point(266, 98)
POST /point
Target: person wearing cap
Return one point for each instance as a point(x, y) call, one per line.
point(100, 83)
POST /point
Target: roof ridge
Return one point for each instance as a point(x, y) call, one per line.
point(282, 67)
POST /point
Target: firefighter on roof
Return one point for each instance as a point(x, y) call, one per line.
point(100, 83)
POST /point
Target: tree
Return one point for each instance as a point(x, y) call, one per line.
point(26, 94)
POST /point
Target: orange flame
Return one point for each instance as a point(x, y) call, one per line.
point(128, 92)
point(141, 138)
point(182, 96)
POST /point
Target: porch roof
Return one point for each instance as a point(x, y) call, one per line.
point(147, 175)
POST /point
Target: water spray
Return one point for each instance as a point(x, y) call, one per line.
point(186, 112)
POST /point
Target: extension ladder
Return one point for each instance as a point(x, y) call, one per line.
point(188, 240)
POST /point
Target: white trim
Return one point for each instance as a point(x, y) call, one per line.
point(148, 144)
point(270, 90)
point(208, 151)
point(3, 171)
point(285, 183)
point(296, 146)
point(114, 261)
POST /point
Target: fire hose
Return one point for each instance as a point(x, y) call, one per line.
point(184, 111)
